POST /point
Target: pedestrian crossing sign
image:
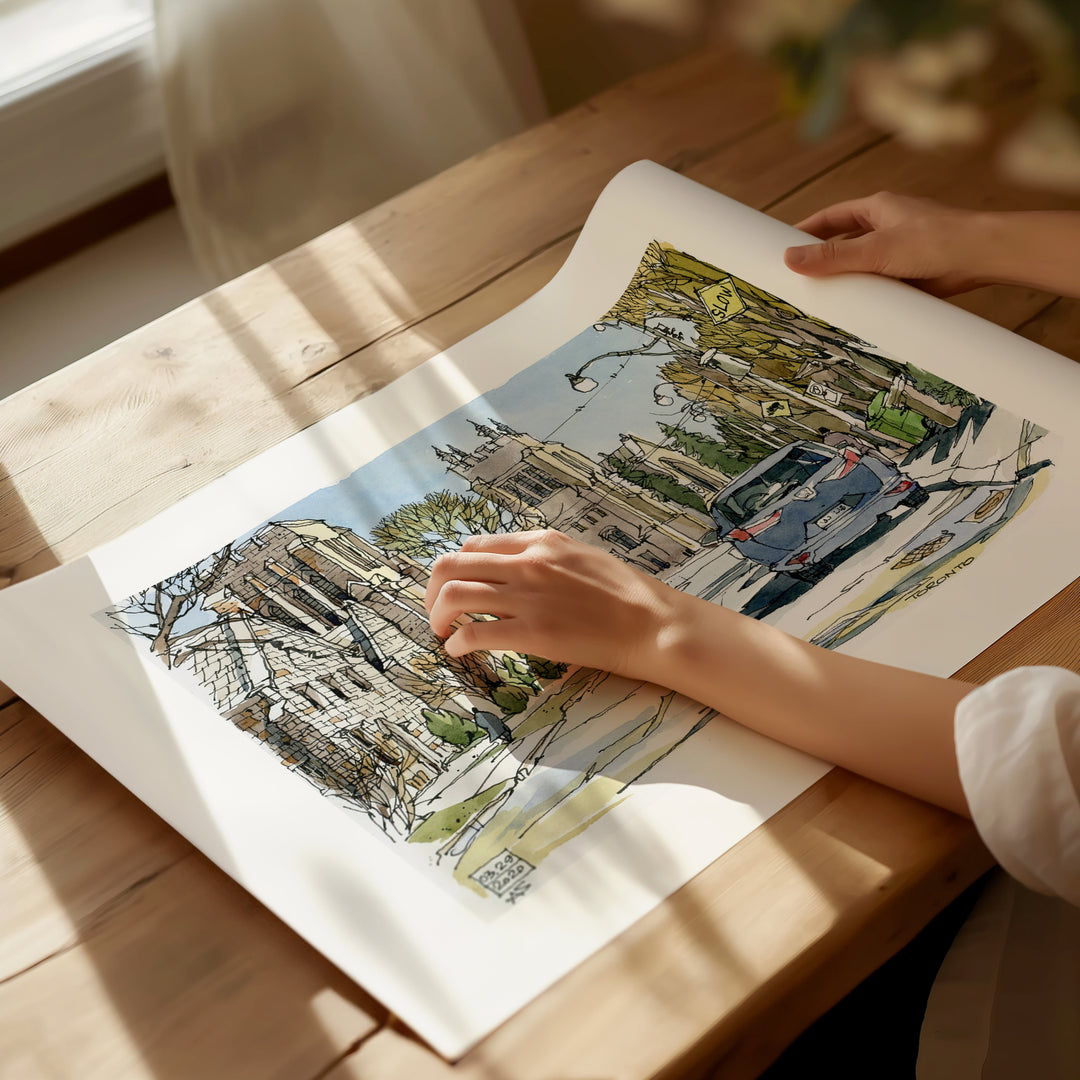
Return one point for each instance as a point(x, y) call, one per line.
point(776, 408)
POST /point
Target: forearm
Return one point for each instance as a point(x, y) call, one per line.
point(888, 724)
point(1039, 249)
point(562, 599)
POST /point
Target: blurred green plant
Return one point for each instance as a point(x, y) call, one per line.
point(922, 70)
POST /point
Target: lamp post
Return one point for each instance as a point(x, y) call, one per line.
point(585, 384)
point(692, 409)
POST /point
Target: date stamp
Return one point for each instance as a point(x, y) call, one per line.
point(505, 876)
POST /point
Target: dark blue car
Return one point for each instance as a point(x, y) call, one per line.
point(806, 502)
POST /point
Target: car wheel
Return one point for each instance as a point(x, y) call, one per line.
point(915, 499)
point(817, 572)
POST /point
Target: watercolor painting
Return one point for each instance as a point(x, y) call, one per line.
point(703, 430)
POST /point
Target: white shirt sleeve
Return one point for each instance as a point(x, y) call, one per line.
point(1018, 750)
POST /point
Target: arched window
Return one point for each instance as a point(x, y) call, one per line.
point(612, 534)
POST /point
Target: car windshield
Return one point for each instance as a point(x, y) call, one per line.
point(782, 477)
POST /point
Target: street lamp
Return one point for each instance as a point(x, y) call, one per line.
point(694, 409)
point(582, 383)
point(585, 384)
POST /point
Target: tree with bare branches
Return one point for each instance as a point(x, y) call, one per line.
point(154, 613)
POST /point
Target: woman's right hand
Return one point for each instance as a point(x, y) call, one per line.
point(938, 248)
point(554, 597)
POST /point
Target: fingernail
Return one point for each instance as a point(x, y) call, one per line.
point(795, 256)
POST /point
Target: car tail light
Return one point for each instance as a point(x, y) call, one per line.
point(904, 485)
point(799, 560)
point(753, 530)
point(851, 459)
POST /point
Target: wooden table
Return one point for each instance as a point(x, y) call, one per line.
point(127, 954)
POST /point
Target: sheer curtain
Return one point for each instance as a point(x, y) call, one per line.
point(286, 117)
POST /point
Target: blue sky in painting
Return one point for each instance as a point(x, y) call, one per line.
point(539, 400)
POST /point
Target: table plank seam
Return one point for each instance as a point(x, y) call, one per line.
point(7, 712)
point(87, 927)
point(1035, 316)
point(674, 162)
point(873, 144)
point(684, 161)
point(63, 950)
point(90, 923)
point(12, 573)
point(355, 1047)
point(680, 162)
point(413, 324)
point(6, 476)
point(22, 761)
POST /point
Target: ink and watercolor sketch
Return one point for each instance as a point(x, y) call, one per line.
point(703, 430)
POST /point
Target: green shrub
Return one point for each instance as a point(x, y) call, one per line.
point(511, 699)
point(545, 669)
point(451, 727)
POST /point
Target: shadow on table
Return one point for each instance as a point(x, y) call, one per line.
point(127, 946)
point(886, 865)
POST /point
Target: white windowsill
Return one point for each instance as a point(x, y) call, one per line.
point(80, 117)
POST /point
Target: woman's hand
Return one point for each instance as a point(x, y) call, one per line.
point(561, 599)
point(936, 247)
point(941, 249)
point(554, 597)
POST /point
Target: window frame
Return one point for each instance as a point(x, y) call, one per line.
point(80, 135)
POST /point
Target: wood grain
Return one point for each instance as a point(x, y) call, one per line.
point(126, 954)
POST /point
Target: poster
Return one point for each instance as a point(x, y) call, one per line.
point(457, 833)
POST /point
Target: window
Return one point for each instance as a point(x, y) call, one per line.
point(79, 113)
point(315, 696)
point(530, 484)
point(44, 40)
point(612, 534)
point(774, 483)
point(660, 564)
point(303, 599)
point(383, 748)
point(316, 580)
point(329, 682)
point(356, 679)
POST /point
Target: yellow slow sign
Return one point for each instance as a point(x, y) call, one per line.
point(722, 300)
